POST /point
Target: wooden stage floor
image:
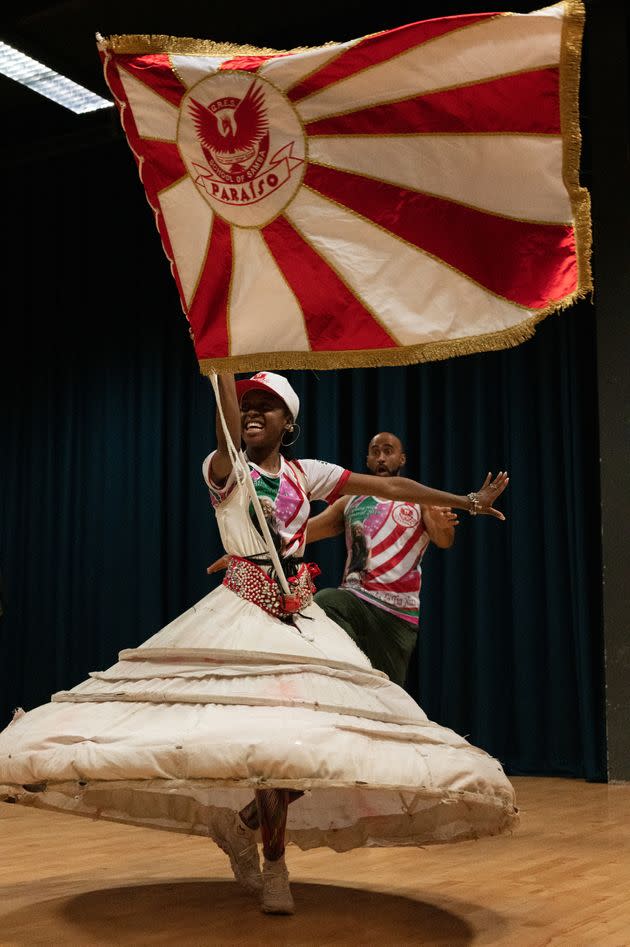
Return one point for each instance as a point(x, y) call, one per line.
point(562, 878)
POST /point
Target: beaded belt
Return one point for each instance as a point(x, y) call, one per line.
point(254, 584)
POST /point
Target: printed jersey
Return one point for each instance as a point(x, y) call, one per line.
point(285, 497)
point(386, 541)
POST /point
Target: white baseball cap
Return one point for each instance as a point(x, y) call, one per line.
point(269, 381)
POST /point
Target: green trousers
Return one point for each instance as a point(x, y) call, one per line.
point(388, 641)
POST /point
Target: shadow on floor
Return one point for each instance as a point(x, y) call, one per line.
point(189, 913)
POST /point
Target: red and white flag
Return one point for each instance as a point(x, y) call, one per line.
point(406, 196)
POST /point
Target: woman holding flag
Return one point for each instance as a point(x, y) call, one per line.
point(261, 412)
point(254, 688)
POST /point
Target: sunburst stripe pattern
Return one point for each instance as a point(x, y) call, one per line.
point(212, 337)
point(379, 48)
point(155, 70)
point(418, 299)
point(420, 192)
point(520, 261)
point(335, 319)
point(256, 275)
point(475, 170)
point(489, 47)
point(502, 105)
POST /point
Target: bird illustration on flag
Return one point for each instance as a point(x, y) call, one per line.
point(233, 132)
point(405, 196)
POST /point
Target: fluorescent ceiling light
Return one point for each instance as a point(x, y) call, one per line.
point(41, 79)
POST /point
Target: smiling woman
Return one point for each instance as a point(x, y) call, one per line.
point(267, 416)
point(264, 414)
point(254, 687)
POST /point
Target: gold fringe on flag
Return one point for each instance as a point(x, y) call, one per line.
point(570, 56)
point(373, 358)
point(187, 46)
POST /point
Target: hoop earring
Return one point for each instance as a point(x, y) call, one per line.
point(289, 443)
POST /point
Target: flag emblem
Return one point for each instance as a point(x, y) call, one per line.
point(243, 146)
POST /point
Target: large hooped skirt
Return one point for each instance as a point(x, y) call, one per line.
point(227, 699)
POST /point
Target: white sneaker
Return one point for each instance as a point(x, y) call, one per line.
point(276, 894)
point(239, 844)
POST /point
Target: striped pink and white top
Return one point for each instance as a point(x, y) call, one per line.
point(386, 541)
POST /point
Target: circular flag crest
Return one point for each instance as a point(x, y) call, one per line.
point(243, 145)
point(406, 515)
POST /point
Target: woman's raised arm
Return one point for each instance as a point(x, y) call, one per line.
point(221, 461)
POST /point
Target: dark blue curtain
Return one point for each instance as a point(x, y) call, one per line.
point(105, 526)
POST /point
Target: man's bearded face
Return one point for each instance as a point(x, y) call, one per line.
point(385, 456)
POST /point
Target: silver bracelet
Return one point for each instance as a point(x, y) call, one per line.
point(476, 506)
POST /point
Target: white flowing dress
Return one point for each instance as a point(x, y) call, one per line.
point(227, 699)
